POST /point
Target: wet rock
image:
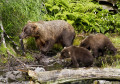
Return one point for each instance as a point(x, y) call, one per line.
point(14, 75)
point(39, 69)
point(3, 79)
point(23, 82)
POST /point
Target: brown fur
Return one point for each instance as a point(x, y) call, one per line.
point(98, 43)
point(79, 56)
point(47, 33)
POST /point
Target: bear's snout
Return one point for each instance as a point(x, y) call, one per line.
point(22, 35)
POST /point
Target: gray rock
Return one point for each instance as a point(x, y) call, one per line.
point(14, 75)
point(39, 69)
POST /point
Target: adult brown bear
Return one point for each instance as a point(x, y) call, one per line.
point(98, 43)
point(79, 56)
point(47, 33)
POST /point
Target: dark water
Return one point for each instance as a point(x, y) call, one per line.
point(93, 82)
point(81, 82)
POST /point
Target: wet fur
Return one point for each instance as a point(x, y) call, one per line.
point(98, 43)
point(80, 56)
point(47, 33)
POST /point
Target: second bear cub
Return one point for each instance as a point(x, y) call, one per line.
point(98, 43)
point(79, 56)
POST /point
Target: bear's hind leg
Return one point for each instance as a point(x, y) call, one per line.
point(68, 40)
point(48, 46)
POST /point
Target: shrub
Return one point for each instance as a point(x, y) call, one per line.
point(16, 13)
point(84, 15)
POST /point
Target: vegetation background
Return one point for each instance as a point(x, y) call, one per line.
point(87, 16)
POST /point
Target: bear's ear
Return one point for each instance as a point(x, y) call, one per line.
point(29, 21)
point(34, 26)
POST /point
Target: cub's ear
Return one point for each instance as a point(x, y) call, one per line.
point(82, 42)
point(64, 47)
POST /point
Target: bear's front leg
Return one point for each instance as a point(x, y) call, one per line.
point(75, 63)
point(47, 46)
point(95, 53)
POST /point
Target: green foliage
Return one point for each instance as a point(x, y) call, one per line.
point(77, 13)
point(84, 15)
point(4, 54)
point(15, 13)
point(116, 64)
point(3, 50)
point(30, 44)
point(29, 57)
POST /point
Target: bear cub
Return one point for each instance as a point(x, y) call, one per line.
point(80, 56)
point(98, 43)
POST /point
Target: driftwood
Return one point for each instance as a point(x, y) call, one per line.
point(69, 75)
point(2, 34)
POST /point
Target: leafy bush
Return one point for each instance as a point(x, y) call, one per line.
point(84, 15)
point(15, 14)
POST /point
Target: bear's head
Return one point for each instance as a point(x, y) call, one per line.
point(85, 45)
point(113, 50)
point(30, 29)
point(65, 53)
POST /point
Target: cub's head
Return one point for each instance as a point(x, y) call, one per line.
point(85, 45)
point(65, 53)
point(29, 30)
point(114, 51)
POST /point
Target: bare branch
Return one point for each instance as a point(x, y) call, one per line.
point(2, 34)
point(23, 64)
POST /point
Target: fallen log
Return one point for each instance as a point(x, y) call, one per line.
point(70, 75)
